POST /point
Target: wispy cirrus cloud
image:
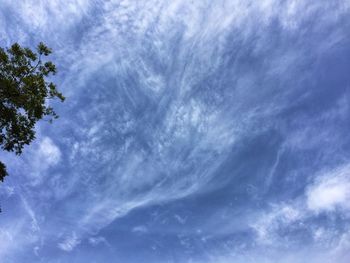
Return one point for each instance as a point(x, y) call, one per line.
point(160, 94)
point(326, 197)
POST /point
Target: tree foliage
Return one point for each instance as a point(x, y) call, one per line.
point(24, 95)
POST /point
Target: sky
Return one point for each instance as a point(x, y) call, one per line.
point(193, 132)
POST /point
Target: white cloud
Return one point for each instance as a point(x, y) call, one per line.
point(49, 152)
point(46, 15)
point(140, 229)
point(94, 241)
point(328, 195)
point(268, 225)
point(34, 224)
point(69, 243)
point(43, 155)
point(331, 191)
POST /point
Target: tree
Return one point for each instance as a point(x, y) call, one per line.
point(24, 95)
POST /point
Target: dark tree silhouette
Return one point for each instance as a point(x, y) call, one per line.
point(24, 92)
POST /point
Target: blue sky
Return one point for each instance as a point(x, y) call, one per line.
point(193, 131)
